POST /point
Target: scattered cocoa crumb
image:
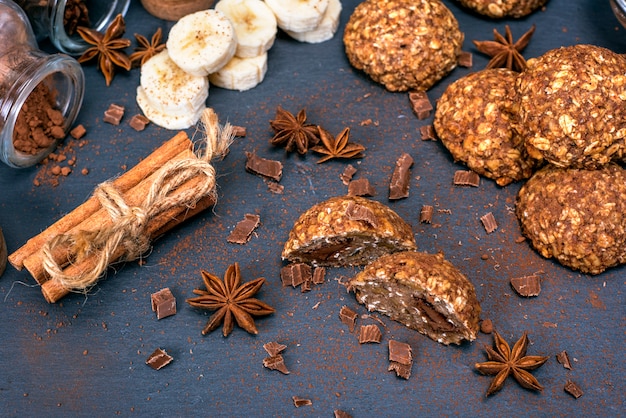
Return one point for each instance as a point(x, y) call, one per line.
point(520, 239)
point(486, 326)
point(65, 171)
point(573, 389)
point(365, 122)
point(56, 170)
point(84, 171)
point(78, 132)
point(484, 257)
point(341, 414)
point(239, 131)
point(114, 114)
point(298, 401)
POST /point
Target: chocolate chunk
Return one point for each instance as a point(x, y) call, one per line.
point(348, 317)
point(114, 114)
point(163, 303)
point(306, 285)
point(243, 230)
point(273, 348)
point(341, 414)
point(427, 133)
point(527, 286)
point(78, 132)
point(573, 389)
point(361, 187)
point(139, 122)
point(318, 275)
point(263, 167)
point(466, 178)
point(466, 59)
point(356, 212)
point(239, 131)
point(295, 274)
point(563, 359)
point(426, 214)
point(400, 352)
point(420, 104)
point(276, 362)
point(400, 179)
point(402, 370)
point(159, 359)
point(347, 174)
point(486, 326)
point(275, 188)
point(298, 401)
point(489, 222)
point(370, 334)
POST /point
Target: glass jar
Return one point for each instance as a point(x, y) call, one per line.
point(40, 93)
point(619, 8)
point(48, 19)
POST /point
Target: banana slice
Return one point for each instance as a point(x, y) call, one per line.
point(166, 120)
point(202, 42)
point(255, 25)
point(325, 30)
point(169, 89)
point(241, 73)
point(298, 15)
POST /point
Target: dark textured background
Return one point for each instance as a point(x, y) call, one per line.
point(85, 355)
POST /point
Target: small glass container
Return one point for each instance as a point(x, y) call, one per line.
point(56, 19)
point(619, 8)
point(28, 74)
point(175, 9)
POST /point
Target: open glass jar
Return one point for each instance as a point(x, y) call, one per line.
point(58, 19)
point(40, 93)
point(619, 8)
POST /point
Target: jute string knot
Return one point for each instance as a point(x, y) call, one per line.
point(129, 223)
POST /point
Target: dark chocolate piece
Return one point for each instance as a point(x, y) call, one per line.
point(276, 362)
point(274, 187)
point(138, 122)
point(273, 348)
point(466, 178)
point(427, 133)
point(401, 177)
point(402, 370)
point(348, 317)
point(243, 230)
point(163, 303)
point(489, 222)
point(347, 174)
point(306, 285)
point(420, 104)
point(295, 274)
point(318, 275)
point(159, 359)
point(426, 214)
point(113, 114)
point(527, 286)
point(356, 212)
point(466, 59)
point(370, 334)
point(298, 401)
point(263, 167)
point(361, 187)
point(563, 359)
point(573, 389)
point(239, 131)
point(400, 352)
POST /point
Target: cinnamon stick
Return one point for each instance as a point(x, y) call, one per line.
point(124, 182)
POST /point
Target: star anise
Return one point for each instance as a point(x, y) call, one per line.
point(504, 362)
point(293, 132)
point(504, 52)
point(229, 298)
point(338, 147)
point(147, 49)
point(107, 47)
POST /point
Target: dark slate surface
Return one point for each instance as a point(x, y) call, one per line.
point(86, 355)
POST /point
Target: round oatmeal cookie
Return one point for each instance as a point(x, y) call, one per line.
point(576, 216)
point(403, 44)
point(474, 119)
point(503, 8)
point(572, 106)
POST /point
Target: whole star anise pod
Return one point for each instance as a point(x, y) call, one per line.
point(337, 147)
point(504, 52)
point(147, 49)
point(293, 132)
point(107, 48)
point(230, 299)
point(504, 362)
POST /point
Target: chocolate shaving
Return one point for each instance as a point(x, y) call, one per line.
point(348, 317)
point(489, 222)
point(263, 167)
point(295, 274)
point(402, 370)
point(298, 401)
point(563, 359)
point(427, 133)
point(573, 389)
point(420, 104)
point(400, 179)
point(400, 359)
point(239, 131)
point(159, 359)
point(275, 188)
point(341, 414)
point(466, 178)
point(318, 275)
point(361, 187)
point(466, 59)
point(306, 286)
point(276, 362)
point(527, 286)
point(139, 122)
point(426, 214)
point(356, 212)
point(370, 334)
point(347, 174)
point(274, 348)
point(114, 114)
point(163, 303)
point(243, 230)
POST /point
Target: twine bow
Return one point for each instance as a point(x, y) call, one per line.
point(129, 223)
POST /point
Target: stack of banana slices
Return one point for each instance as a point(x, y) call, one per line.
point(226, 47)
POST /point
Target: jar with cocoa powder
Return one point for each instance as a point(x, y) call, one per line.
point(619, 9)
point(58, 19)
point(40, 93)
